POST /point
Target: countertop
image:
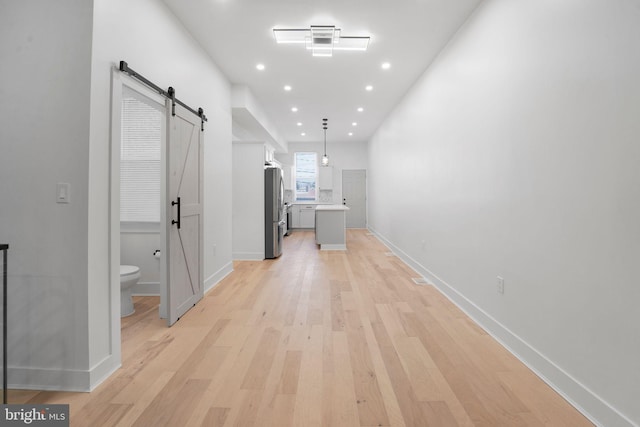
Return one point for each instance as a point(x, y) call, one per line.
point(310, 203)
point(332, 208)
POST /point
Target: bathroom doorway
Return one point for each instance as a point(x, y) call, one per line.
point(156, 198)
point(137, 184)
point(142, 136)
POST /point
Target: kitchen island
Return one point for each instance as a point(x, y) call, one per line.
point(330, 227)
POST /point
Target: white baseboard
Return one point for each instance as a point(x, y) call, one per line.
point(27, 378)
point(216, 277)
point(153, 288)
point(146, 289)
point(103, 370)
point(21, 378)
point(333, 247)
point(584, 400)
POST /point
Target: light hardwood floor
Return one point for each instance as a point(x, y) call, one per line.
point(315, 339)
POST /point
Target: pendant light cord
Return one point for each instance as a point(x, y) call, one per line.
point(324, 126)
point(325, 158)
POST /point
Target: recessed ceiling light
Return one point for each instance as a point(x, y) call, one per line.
point(260, 67)
point(303, 134)
point(287, 88)
point(386, 65)
point(368, 88)
point(360, 109)
point(299, 123)
point(294, 109)
point(354, 124)
point(350, 133)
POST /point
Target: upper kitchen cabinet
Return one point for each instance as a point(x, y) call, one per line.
point(287, 177)
point(326, 178)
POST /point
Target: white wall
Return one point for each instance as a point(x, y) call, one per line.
point(137, 247)
point(518, 154)
point(58, 59)
point(248, 200)
point(44, 132)
point(342, 155)
point(154, 43)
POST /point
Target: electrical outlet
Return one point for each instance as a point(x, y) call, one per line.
point(424, 244)
point(215, 249)
point(500, 285)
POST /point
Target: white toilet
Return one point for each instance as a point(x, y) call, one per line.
point(129, 276)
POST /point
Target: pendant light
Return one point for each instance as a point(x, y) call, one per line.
point(325, 158)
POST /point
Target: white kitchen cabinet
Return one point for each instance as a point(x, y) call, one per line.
point(326, 177)
point(295, 216)
point(303, 216)
point(330, 227)
point(287, 177)
point(268, 154)
point(307, 216)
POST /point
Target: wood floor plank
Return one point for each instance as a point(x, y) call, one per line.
point(111, 414)
point(290, 373)
point(144, 399)
point(308, 408)
point(315, 338)
point(216, 417)
point(371, 409)
point(248, 404)
point(284, 407)
point(256, 376)
point(437, 413)
point(408, 401)
point(341, 398)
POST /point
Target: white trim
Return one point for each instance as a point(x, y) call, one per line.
point(23, 378)
point(146, 289)
point(103, 370)
point(333, 247)
point(592, 406)
point(118, 81)
point(27, 378)
point(213, 280)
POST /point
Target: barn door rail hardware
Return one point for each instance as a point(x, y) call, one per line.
point(169, 93)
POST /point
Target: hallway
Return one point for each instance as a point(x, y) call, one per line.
point(316, 339)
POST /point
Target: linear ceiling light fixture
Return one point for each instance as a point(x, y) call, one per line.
point(321, 40)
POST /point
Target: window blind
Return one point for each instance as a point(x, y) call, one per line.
point(140, 160)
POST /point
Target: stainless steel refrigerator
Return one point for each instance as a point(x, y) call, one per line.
point(274, 219)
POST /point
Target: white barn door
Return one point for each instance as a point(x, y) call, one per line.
point(184, 163)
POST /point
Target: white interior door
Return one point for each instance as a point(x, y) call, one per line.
point(354, 195)
point(184, 164)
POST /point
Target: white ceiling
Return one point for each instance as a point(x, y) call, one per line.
point(237, 34)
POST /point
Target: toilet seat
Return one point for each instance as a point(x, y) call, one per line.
point(128, 271)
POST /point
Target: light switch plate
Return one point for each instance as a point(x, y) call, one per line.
point(63, 191)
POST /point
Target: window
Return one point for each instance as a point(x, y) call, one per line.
point(306, 174)
point(140, 159)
